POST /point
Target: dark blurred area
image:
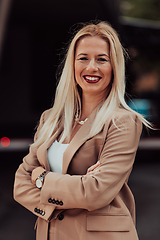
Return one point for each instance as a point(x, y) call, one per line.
point(33, 38)
point(36, 32)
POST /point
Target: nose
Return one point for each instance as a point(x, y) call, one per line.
point(92, 65)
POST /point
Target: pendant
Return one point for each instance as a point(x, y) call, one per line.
point(80, 122)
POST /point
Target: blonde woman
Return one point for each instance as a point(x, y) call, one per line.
point(75, 175)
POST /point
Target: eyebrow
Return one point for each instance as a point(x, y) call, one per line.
point(82, 54)
point(99, 55)
point(103, 54)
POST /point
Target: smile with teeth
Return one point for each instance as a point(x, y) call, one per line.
point(92, 79)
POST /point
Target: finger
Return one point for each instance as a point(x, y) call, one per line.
point(93, 166)
point(92, 172)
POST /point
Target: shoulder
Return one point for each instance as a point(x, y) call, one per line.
point(122, 113)
point(45, 115)
point(43, 118)
point(124, 119)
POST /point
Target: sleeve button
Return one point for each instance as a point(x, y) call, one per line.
point(60, 216)
point(35, 209)
point(61, 203)
point(38, 210)
point(57, 202)
point(50, 200)
point(43, 213)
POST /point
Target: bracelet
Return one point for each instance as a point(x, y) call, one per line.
point(40, 179)
point(43, 174)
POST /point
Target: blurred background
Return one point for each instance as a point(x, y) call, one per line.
point(33, 38)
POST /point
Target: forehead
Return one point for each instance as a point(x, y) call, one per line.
point(92, 44)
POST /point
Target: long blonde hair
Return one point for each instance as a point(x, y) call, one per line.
point(67, 98)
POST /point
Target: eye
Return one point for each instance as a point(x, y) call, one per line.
point(102, 60)
point(83, 59)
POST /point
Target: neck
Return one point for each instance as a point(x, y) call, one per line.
point(89, 103)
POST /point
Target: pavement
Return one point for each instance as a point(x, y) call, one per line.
point(17, 223)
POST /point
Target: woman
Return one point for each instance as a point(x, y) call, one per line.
point(75, 175)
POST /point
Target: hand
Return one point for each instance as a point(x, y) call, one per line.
point(35, 173)
point(93, 169)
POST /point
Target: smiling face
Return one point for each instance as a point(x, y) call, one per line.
point(93, 70)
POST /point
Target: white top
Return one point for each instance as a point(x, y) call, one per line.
point(55, 156)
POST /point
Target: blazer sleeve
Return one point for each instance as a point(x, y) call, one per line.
point(25, 192)
point(94, 192)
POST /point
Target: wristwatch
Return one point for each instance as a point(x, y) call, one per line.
point(40, 179)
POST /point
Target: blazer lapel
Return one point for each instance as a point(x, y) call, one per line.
point(77, 141)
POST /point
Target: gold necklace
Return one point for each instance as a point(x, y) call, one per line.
point(80, 122)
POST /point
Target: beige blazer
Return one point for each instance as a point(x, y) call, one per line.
point(73, 205)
